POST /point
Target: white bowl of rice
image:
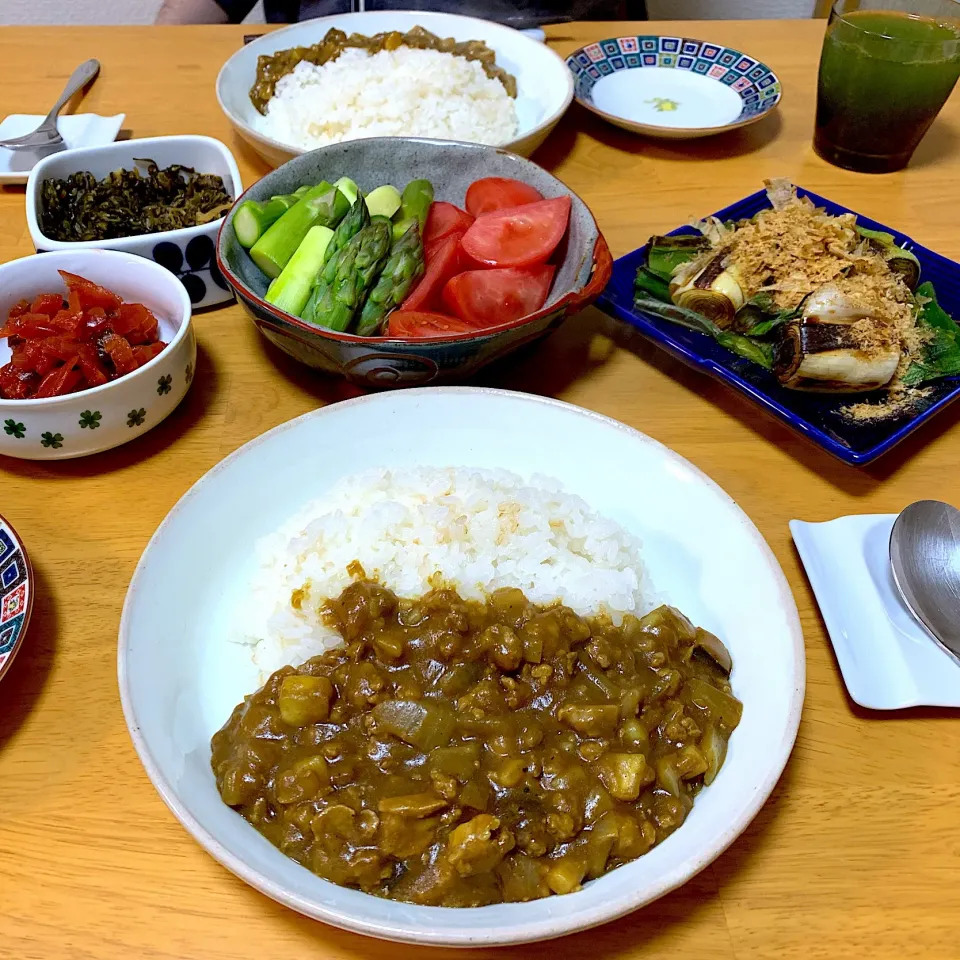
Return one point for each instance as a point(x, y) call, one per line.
point(487, 488)
point(405, 92)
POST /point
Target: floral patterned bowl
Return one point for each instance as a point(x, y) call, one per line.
point(16, 594)
point(187, 253)
point(583, 267)
point(59, 428)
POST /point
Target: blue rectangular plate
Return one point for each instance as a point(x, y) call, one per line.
point(815, 416)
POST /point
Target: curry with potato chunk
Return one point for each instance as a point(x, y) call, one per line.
point(456, 753)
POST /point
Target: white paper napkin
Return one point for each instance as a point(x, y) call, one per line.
point(887, 659)
point(77, 130)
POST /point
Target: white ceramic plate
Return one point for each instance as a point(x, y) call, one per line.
point(887, 660)
point(180, 674)
point(77, 130)
point(672, 87)
point(544, 85)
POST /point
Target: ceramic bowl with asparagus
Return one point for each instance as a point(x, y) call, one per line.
point(400, 261)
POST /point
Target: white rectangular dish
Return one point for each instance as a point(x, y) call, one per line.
point(887, 660)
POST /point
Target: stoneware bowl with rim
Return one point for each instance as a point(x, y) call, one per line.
point(675, 88)
point(181, 671)
point(188, 253)
point(583, 259)
point(60, 428)
point(544, 85)
point(16, 594)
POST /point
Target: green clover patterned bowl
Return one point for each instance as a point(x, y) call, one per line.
point(78, 424)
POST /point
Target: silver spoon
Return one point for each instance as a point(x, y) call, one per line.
point(925, 560)
point(47, 134)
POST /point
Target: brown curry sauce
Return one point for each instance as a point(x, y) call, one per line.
point(455, 753)
point(271, 67)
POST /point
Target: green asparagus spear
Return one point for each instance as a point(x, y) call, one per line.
point(355, 268)
point(400, 227)
point(322, 205)
point(415, 202)
point(403, 268)
point(356, 219)
point(291, 289)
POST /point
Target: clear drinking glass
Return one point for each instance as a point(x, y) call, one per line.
point(886, 69)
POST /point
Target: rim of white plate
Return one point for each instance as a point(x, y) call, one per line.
point(549, 928)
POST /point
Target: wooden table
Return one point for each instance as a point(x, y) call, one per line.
point(856, 853)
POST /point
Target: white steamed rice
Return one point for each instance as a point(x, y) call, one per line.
point(478, 529)
point(402, 92)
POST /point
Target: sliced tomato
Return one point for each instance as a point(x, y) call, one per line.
point(19, 309)
point(420, 324)
point(120, 353)
point(30, 325)
point(443, 219)
point(498, 193)
point(60, 381)
point(48, 303)
point(91, 294)
point(93, 370)
point(146, 352)
point(519, 236)
point(17, 384)
point(440, 267)
point(135, 322)
point(488, 298)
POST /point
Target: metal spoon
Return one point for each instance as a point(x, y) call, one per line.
point(925, 560)
point(47, 134)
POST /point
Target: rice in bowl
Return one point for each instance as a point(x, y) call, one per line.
point(478, 530)
point(402, 92)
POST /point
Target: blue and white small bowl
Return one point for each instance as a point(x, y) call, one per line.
point(672, 87)
point(189, 253)
point(16, 594)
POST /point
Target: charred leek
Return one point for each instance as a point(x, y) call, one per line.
point(837, 347)
point(899, 260)
point(714, 292)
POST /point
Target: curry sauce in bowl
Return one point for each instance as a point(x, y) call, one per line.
point(459, 754)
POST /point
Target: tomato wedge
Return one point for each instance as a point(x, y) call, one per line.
point(443, 219)
point(421, 325)
point(440, 267)
point(498, 193)
point(520, 236)
point(488, 298)
point(91, 294)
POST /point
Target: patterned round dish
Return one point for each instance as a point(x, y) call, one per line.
point(672, 87)
point(16, 594)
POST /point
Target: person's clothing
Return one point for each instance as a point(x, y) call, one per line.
point(504, 11)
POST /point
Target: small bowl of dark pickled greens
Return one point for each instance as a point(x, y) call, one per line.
point(461, 754)
point(163, 198)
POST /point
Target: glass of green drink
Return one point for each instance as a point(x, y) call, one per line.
point(886, 69)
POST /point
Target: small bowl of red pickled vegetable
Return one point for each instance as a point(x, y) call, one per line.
point(96, 347)
point(463, 254)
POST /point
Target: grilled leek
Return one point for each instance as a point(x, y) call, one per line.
point(713, 292)
point(825, 352)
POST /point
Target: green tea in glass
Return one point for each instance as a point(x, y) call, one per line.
point(886, 69)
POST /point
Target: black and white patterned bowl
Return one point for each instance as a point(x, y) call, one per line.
point(190, 254)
